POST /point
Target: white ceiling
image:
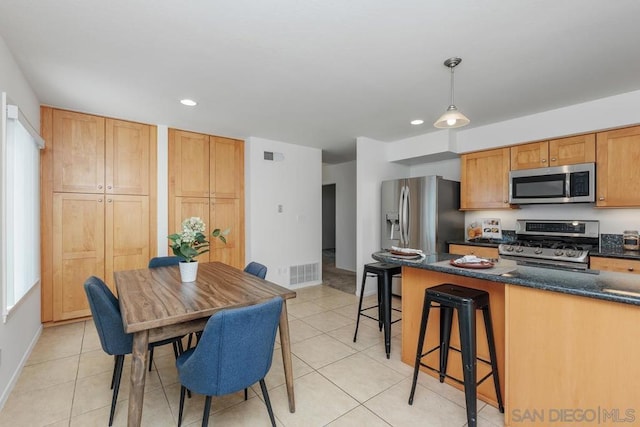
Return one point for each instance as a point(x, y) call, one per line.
point(321, 73)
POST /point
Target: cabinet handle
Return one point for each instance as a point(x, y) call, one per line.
point(630, 269)
point(506, 201)
point(544, 160)
point(108, 187)
point(99, 200)
point(553, 159)
point(99, 187)
point(601, 198)
point(109, 200)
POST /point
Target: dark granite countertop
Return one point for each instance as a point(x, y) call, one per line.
point(616, 253)
point(609, 286)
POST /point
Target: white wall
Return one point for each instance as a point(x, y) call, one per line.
point(293, 236)
point(343, 175)
point(372, 168)
point(22, 329)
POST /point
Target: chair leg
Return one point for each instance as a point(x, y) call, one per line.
point(182, 391)
point(117, 375)
point(446, 319)
point(267, 402)
point(150, 358)
point(467, 324)
point(486, 313)
point(189, 341)
point(207, 409)
point(246, 394)
point(364, 280)
point(113, 377)
point(176, 353)
point(423, 330)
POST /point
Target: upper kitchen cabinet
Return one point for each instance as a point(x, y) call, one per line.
point(78, 152)
point(92, 154)
point(618, 174)
point(189, 163)
point(485, 179)
point(557, 152)
point(206, 166)
point(227, 168)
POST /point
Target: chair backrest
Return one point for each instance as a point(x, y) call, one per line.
point(164, 261)
point(256, 269)
point(106, 316)
point(234, 351)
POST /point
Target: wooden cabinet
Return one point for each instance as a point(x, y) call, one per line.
point(206, 166)
point(213, 192)
point(98, 205)
point(557, 152)
point(619, 265)
point(485, 179)
point(618, 170)
point(480, 251)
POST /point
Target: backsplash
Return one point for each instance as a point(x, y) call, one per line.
point(610, 242)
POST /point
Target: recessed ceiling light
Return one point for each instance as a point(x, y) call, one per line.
point(188, 102)
point(417, 122)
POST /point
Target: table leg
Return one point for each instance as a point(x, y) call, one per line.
point(138, 372)
point(285, 345)
point(386, 303)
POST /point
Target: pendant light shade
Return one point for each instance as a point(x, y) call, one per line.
point(452, 118)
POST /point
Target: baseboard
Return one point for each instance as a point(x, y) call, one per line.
point(14, 378)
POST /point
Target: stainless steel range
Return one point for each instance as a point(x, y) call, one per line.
point(553, 243)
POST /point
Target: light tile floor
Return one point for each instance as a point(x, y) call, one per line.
point(338, 383)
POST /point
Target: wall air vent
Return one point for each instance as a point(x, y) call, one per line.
point(273, 156)
point(304, 273)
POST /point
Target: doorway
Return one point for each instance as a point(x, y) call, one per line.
point(329, 225)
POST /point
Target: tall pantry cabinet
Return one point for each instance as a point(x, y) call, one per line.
point(98, 205)
point(206, 179)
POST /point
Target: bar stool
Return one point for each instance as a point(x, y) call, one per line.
point(466, 301)
point(385, 273)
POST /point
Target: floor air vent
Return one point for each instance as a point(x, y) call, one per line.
point(304, 273)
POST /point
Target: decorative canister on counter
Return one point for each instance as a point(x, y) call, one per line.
point(631, 240)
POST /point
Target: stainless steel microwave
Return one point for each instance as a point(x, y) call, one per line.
point(560, 184)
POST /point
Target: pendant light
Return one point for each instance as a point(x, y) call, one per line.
point(452, 118)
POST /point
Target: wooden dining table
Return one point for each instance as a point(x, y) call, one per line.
point(156, 305)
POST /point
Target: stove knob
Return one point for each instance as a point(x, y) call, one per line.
point(508, 248)
point(558, 252)
point(571, 253)
point(519, 249)
point(538, 250)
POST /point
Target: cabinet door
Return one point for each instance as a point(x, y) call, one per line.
point(614, 264)
point(225, 214)
point(189, 163)
point(78, 152)
point(78, 251)
point(480, 251)
point(126, 234)
point(618, 173)
point(572, 150)
point(485, 179)
point(186, 207)
point(127, 157)
point(530, 156)
point(227, 168)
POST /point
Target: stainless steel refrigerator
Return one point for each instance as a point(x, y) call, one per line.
point(421, 213)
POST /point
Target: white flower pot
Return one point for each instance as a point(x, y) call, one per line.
point(188, 271)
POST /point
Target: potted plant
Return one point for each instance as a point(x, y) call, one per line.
point(190, 243)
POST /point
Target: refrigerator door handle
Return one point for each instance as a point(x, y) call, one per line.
point(401, 215)
point(407, 214)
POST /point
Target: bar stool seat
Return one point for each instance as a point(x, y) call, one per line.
point(385, 272)
point(466, 301)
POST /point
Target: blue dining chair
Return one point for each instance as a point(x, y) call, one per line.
point(256, 269)
point(115, 342)
point(234, 352)
point(166, 261)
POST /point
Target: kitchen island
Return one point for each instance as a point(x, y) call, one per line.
point(568, 343)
